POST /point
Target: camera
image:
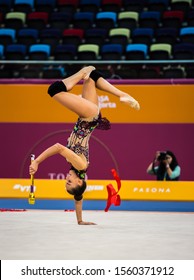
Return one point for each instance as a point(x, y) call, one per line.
point(162, 156)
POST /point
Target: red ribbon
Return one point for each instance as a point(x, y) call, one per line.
point(113, 196)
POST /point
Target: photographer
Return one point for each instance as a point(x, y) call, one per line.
point(165, 167)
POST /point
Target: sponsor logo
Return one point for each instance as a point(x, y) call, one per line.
point(94, 188)
point(104, 102)
point(151, 190)
point(22, 188)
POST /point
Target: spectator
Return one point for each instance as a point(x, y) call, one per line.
point(165, 167)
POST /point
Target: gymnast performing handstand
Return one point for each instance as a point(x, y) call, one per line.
point(76, 152)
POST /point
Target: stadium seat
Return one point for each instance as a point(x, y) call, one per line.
point(142, 36)
point(111, 52)
point(134, 5)
point(183, 51)
point(39, 52)
point(53, 73)
point(160, 51)
point(111, 5)
point(96, 36)
point(65, 52)
point(27, 36)
point(37, 20)
point(45, 5)
point(158, 5)
point(15, 52)
point(7, 36)
point(173, 73)
point(83, 20)
point(68, 6)
point(172, 19)
point(149, 19)
point(90, 6)
point(187, 35)
point(15, 20)
point(181, 5)
point(5, 6)
point(25, 6)
point(73, 36)
point(136, 52)
point(119, 36)
point(1, 51)
point(106, 20)
point(168, 35)
point(50, 36)
point(128, 20)
point(88, 52)
point(60, 20)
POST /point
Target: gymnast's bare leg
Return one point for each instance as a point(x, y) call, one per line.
point(88, 105)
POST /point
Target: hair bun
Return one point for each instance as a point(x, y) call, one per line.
point(78, 197)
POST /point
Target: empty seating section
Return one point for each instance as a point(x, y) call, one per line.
point(89, 30)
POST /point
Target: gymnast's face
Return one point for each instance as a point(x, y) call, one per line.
point(72, 181)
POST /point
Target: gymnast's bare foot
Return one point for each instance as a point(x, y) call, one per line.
point(130, 101)
point(87, 70)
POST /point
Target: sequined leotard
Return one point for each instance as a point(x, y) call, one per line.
point(78, 141)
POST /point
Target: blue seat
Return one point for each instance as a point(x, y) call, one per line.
point(136, 51)
point(158, 5)
point(50, 36)
point(39, 52)
point(5, 6)
point(187, 35)
point(166, 35)
point(142, 36)
point(134, 5)
point(7, 36)
point(95, 35)
point(183, 51)
point(27, 36)
point(28, 2)
point(60, 20)
point(149, 19)
point(106, 20)
point(9, 32)
point(16, 52)
point(45, 5)
point(50, 32)
point(53, 73)
point(186, 31)
point(1, 51)
point(83, 19)
point(111, 52)
point(90, 5)
point(111, 5)
point(25, 6)
point(65, 52)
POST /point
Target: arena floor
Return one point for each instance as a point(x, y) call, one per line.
point(118, 235)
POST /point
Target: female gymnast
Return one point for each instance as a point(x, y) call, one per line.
point(76, 152)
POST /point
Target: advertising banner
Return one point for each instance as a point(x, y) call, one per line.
point(97, 189)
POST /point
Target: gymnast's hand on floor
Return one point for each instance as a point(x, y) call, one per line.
point(85, 223)
point(33, 167)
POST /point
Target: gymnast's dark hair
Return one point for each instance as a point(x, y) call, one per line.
point(78, 191)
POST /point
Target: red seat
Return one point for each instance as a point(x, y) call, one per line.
point(73, 36)
point(173, 19)
point(37, 20)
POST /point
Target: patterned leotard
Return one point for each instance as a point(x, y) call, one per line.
point(78, 141)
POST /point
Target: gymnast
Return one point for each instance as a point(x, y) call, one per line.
point(76, 152)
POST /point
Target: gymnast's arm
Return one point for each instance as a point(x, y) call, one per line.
point(77, 161)
point(78, 210)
